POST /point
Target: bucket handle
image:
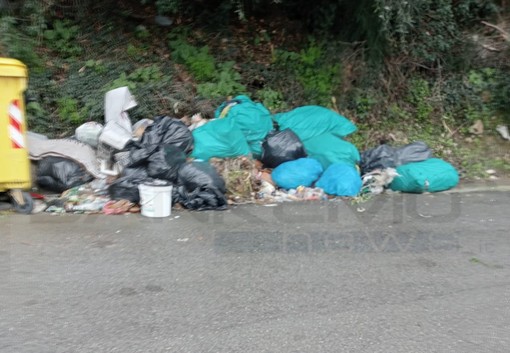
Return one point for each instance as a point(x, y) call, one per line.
point(152, 199)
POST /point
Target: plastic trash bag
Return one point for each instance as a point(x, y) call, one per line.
point(253, 119)
point(340, 179)
point(329, 149)
point(301, 172)
point(59, 174)
point(126, 187)
point(89, 133)
point(167, 131)
point(280, 147)
point(385, 156)
point(431, 175)
point(312, 120)
point(219, 138)
point(165, 162)
point(200, 187)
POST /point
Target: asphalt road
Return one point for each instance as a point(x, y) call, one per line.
point(401, 273)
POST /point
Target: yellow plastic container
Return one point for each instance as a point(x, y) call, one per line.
point(14, 159)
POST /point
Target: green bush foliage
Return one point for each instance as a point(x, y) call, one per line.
point(318, 74)
point(413, 62)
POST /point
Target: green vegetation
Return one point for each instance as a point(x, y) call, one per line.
point(313, 70)
point(63, 38)
point(401, 70)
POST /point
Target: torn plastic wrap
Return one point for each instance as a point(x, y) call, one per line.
point(89, 133)
point(118, 130)
point(200, 187)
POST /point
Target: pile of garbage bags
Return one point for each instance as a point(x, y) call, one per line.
point(244, 153)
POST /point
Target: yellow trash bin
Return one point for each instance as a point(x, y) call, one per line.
point(14, 159)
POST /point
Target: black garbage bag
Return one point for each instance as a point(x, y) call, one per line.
point(380, 157)
point(139, 156)
point(167, 131)
point(385, 156)
point(200, 187)
point(126, 186)
point(414, 152)
point(59, 174)
point(165, 162)
point(280, 147)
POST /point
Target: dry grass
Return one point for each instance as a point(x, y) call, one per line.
point(240, 177)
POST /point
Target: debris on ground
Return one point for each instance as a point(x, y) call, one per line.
point(240, 153)
point(503, 131)
point(240, 175)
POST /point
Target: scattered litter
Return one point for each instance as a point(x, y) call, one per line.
point(240, 154)
point(163, 21)
point(376, 181)
point(114, 207)
point(39, 206)
point(308, 194)
point(477, 128)
point(118, 130)
point(503, 131)
point(89, 133)
point(240, 178)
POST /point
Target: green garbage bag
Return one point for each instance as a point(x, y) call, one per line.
point(431, 175)
point(253, 119)
point(312, 120)
point(219, 138)
point(330, 149)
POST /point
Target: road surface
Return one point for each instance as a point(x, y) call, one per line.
point(400, 273)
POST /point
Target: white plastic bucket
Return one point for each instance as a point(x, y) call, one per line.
point(155, 200)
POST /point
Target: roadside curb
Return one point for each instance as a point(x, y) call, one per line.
point(489, 186)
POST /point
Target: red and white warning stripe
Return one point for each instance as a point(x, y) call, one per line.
point(16, 125)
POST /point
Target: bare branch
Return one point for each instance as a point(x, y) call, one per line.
point(489, 48)
point(504, 33)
